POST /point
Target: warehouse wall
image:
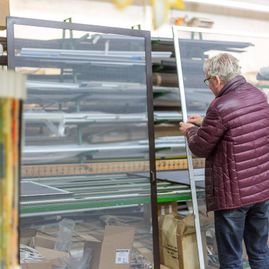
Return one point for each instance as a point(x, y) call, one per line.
point(81, 11)
point(103, 13)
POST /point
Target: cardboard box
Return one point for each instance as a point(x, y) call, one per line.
point(116, 247)
point(164, 267)
point(38, 240)
point(92, 246)
point(44, 244)
point(167, 208)
point(144, 251)
point(200, 22)
point(26, 236)
point(45, 241)
point(37, 265)
point(4, 12)
point(55, 257)
point(178, 245)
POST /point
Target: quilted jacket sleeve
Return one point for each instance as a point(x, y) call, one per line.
point(202, 140)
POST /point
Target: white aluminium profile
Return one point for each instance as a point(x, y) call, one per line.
point(189, 155)
point(12, 85)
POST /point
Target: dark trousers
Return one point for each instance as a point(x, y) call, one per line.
point(248, 223)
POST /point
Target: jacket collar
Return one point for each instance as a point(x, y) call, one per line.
point(232, 85)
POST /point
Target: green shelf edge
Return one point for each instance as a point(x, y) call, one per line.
point(84, 205)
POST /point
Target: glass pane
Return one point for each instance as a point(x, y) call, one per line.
point(169, 144)
point(194, 49)
point(86, 139)
point(174, 191)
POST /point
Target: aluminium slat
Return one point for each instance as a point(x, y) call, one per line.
point(104, 181)
point(125, 187)
point(90, 205)
point(82, 117)
point(99, 197)
point(134, 55)
point(141, 145)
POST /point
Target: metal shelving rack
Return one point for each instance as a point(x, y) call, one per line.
point(190, 55)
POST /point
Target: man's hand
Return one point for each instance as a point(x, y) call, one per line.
point(195, 119)
point(183, 127)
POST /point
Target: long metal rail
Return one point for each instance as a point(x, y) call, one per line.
point(93, 192)
point(189, 154)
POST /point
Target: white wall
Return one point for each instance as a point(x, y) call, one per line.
point(101, 13)
point(81, 11)
point(105, 13)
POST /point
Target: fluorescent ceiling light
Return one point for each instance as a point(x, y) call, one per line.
point(233, 4)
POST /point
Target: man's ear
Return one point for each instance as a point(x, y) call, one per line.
point(218, 80)
point(218, 83)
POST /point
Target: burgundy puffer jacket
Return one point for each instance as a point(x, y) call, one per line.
point(234, 138)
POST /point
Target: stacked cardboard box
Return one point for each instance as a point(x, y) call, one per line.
point(44, 245)
point(113, 252)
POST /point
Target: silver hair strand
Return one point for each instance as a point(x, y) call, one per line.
point(224, 65)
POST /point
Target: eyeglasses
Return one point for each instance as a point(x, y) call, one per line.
point(206, 81)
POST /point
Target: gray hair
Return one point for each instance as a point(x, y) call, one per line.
point(224, 65)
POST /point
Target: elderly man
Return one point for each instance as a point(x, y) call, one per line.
point(234, 139)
